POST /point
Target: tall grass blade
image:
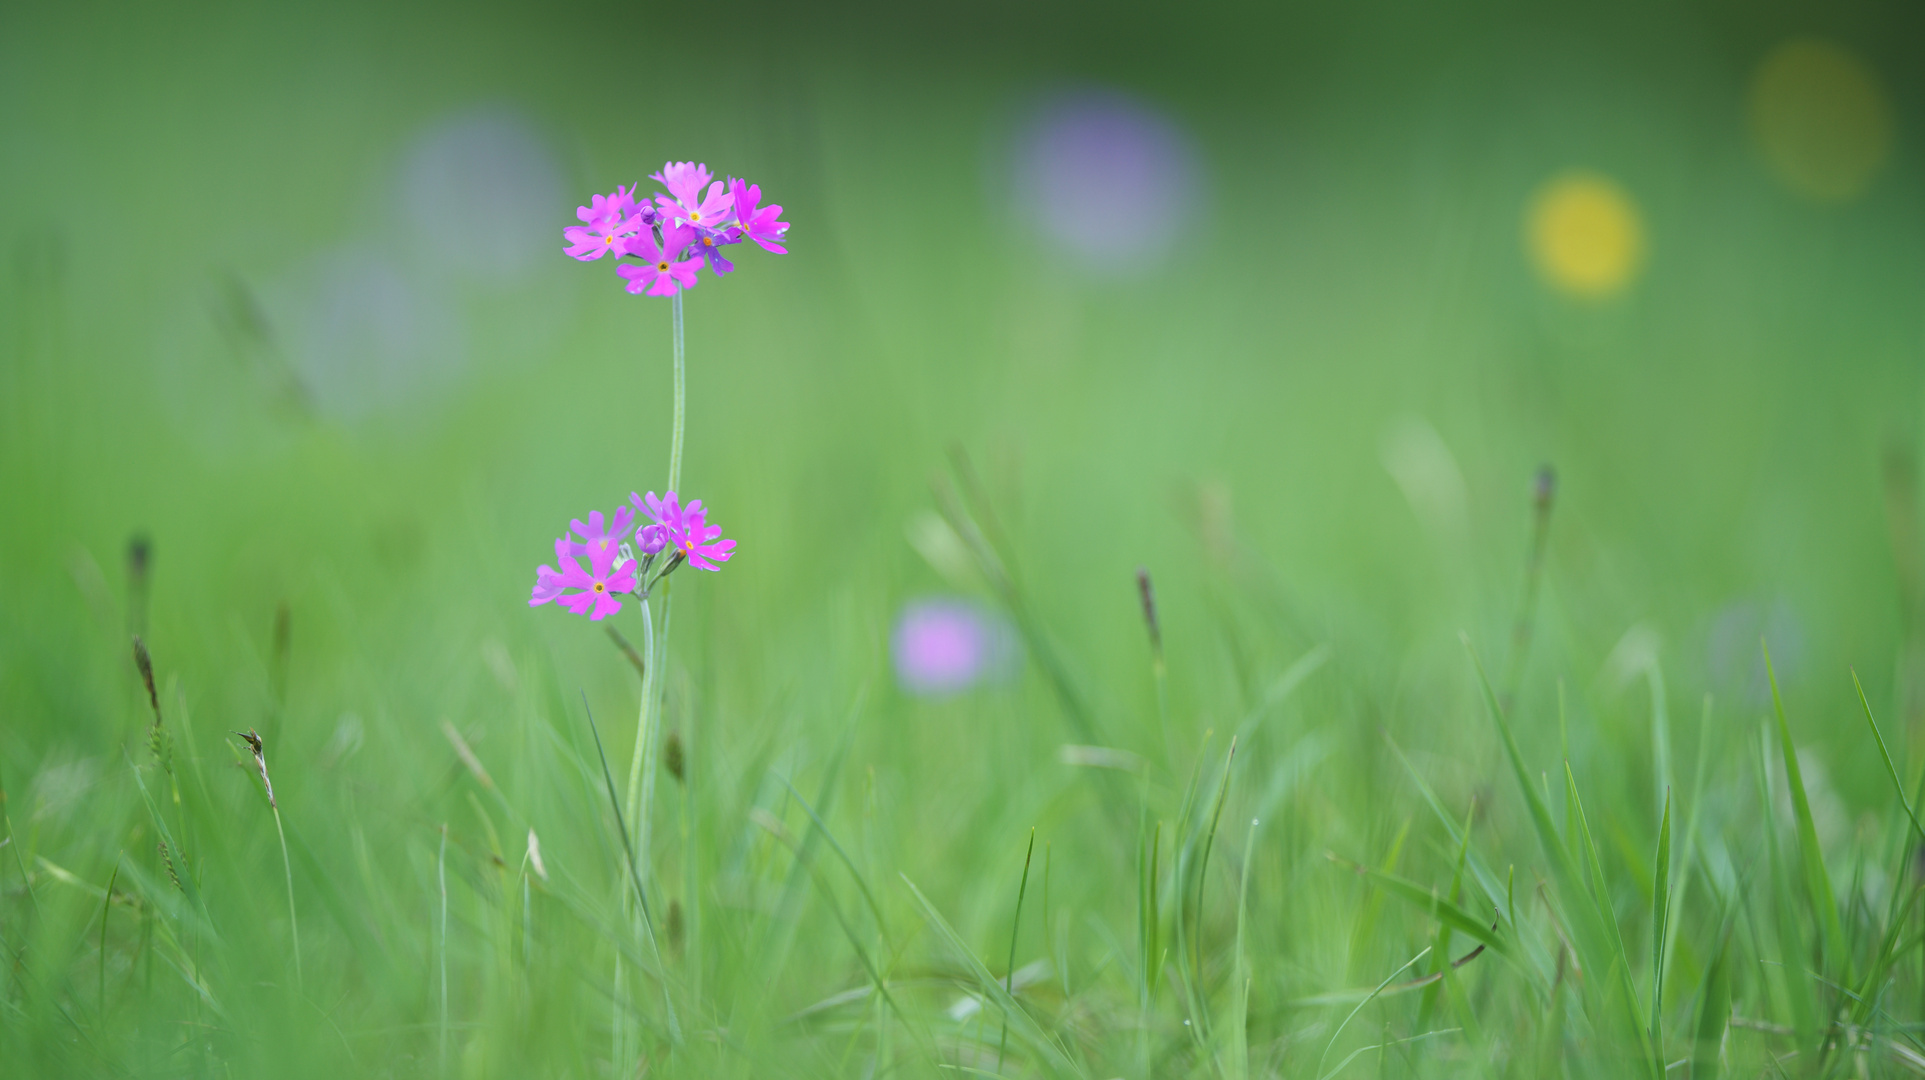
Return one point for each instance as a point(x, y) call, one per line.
point(621, 826)
point(1239, 1033)
point(1714, 1014)
point(862, 883)
point(634, 874)
point(1441, 962)
point(1886, 755)
point(1016, 925)
point(1791, 942)
point(1660, 927)
point(1372, 996)
point(106, 906)
point(1448, 914)
point(1588, 936)
point(1620, 959)
point(1202, 881)
point(1824, 903)
point(1054, 1054)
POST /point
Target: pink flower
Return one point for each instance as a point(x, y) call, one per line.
point(606, 225)
point(598, 584)
point(663, 271)
point(761, 225)
point(549, 583)
point(686, 202)
point(599, 544)
point(687, 530)
point(606, 209)
point(683, 179)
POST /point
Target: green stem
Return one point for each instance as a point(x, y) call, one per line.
point(656, 706)
point(441, 879)
point(644, 733)
point(641, 765)
point(287, 870)
point(675, 443)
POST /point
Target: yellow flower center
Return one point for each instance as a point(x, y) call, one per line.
point(662, 266)
point(599, 587)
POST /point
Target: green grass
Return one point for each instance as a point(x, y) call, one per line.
point(852, 931)
point(1610, 838)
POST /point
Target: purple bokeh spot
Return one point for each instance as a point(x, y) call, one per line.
point(1107, 177)
point(945, 646)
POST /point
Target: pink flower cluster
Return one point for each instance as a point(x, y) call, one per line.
point(672, 235)
point(675, 534)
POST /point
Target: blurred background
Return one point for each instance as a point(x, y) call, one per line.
point(1288, 304)
point(287, 296)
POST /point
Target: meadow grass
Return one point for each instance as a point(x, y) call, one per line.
point(830, 897)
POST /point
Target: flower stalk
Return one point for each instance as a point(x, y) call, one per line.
point(259, 750)
point(659, 246)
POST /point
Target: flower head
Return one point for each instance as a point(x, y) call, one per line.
point(663, 271)
point(660, 243)
point(686, 529)
point(760, 225)
point(598, 584)
point(607, 223)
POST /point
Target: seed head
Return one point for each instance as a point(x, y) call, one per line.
point(1148, 594)
point(167, 860)
point(672, 755)
point(254, 744)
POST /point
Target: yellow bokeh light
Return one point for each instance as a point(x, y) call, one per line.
point(1820, 118)
point(1584, 234)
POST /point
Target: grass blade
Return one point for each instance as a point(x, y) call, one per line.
point(1442, 939)
point(1239, 1034)
point(1890, 769)
point(615, 803)
point(1620, 959)
point(1791, 942)
point(1202, 880)
point(1056, 1056)
point(106, 906)
point(634, 876)
point(1660, 926)
point(1587, 936)
point(822, 828)
point(1446, 913)
point(1714, 1014)
point(1824, 903)
point(1337, 1034)
point(1009, 970)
